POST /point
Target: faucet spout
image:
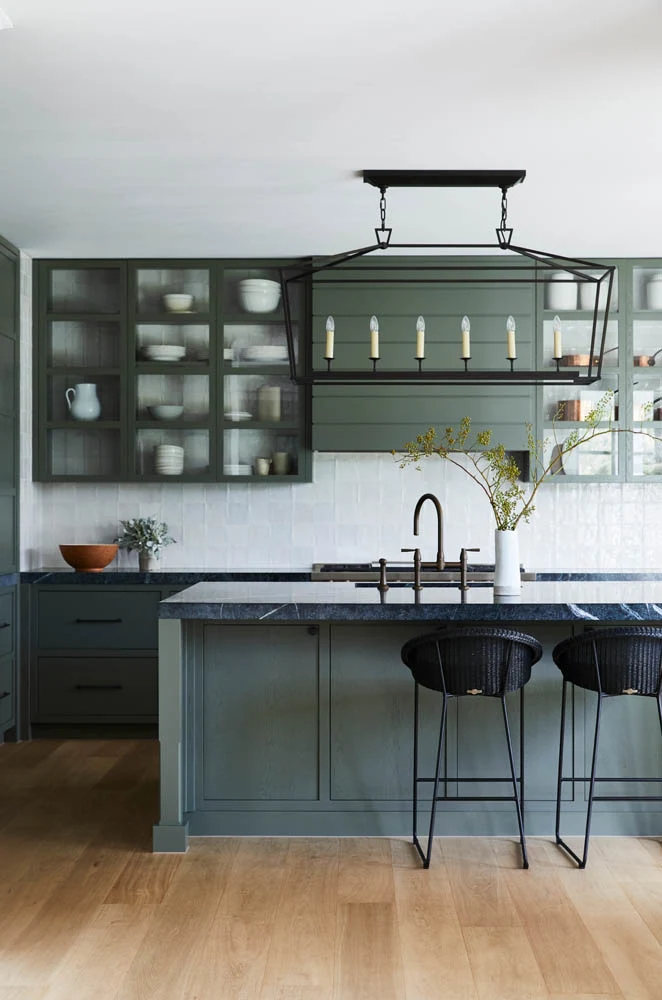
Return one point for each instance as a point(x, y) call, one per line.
point(440, 562)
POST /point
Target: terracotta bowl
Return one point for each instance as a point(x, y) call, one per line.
point(88, 558)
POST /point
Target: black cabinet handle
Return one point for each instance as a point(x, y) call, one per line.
point(5, 624)
point(5, 694)
point(98, 621)
point(98, 687)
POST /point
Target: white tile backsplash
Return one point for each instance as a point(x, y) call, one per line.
point(358, 508)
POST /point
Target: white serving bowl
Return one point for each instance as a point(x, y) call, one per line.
point(166, 411)
point(164, 352)
point(177, 302)
point(259, 295)
point(266, 352)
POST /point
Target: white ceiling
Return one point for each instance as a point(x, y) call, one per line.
point(138, 127)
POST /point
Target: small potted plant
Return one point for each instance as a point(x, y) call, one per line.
point(146, 536)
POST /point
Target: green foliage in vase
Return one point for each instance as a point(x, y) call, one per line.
point(495, 470)
point(144, 534)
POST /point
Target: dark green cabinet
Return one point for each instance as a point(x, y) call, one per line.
point(188, 377)
point(91, 657)
point(9, 483)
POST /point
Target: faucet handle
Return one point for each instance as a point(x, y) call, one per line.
point(383, 585)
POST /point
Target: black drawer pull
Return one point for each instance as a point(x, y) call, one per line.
point(5, 694)
point(98, 621)
point(98, 687)
point(5, 624)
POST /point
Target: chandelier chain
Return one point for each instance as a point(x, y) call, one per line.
point(504, 208)
point(382, 208)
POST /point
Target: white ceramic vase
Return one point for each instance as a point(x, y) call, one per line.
point(84, 403)
point(507, 579)
point(147, 563)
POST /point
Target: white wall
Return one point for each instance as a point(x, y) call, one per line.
point(358, 508)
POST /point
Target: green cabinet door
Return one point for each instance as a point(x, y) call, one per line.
point(259, 732)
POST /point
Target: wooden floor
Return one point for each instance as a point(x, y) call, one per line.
point(88, 913)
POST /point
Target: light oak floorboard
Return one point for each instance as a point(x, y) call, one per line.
point(86, 911)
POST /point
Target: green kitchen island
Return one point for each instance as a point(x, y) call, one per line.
point(285, 709)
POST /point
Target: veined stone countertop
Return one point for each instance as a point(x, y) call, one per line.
point(259, 601)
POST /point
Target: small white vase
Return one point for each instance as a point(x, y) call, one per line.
point(147, 563)
point(507, 579)
point(85, 404)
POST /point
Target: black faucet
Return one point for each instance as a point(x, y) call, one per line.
point(439, 564)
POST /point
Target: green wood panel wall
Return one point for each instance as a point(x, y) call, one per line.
point(366, 418)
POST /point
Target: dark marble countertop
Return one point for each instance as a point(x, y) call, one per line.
point(186, 577)
point(616, 600)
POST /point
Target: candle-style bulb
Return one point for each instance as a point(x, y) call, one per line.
point(511, 350)
point(328, 347)
point(420, 338)
point(374, 338)
point(558, 338)
point(465, 327)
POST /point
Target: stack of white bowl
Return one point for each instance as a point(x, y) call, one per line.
point(258, 295)
point(168, 459)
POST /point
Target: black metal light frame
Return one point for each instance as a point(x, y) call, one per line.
point(525, 266)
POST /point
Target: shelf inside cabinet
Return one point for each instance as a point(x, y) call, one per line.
point(171, 367)
point(81, 370)
point(191, 318)
point(101, 425)
point(71, 316)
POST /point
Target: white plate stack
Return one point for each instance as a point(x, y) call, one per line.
point(168, 459)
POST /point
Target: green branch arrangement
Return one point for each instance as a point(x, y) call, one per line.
point(495, 470)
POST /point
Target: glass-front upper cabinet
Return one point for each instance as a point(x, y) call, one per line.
point(81, 385)
point(172, 356)
point(645, 362)
point(566, 310)
point(263, 411)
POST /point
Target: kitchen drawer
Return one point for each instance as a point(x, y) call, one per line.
point(105, 689)
point(6, 691)
point(98, 619)
point(6, 623)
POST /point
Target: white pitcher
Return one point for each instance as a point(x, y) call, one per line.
point(85, 404)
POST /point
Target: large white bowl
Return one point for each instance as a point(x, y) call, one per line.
point(177, 302)
point(166, 411)
point(266, 352)
point(259, 295)
point(164, 352)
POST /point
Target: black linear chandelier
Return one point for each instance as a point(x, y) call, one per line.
point(517, 265)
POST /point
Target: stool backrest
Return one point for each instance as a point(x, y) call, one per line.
point(622, 660)
point(459, 661)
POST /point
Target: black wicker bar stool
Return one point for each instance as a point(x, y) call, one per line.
point(461, 662)
point(611, 662)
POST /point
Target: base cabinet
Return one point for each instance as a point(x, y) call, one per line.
point(308, 730)
point(92, 655)
point(8, 653)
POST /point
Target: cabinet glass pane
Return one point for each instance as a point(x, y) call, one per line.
point(169, 453)
point(248, 345)
point(7, 374)
point(576, 339)
point(647, 343)
point(264, 398)
point(647, 400)
point(84, 452)
point(647, 288)
point(193, 337)
point(253, 452)
point(595, 458)
point(106, 390)
point(188, 392)
point(647, 418)
point(84, 290)
point(647, 454)
point(84, 344)
point(573, 403)
point(172, 290)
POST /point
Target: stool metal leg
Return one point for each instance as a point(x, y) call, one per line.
point(415, 792)
point(591, 787)
point(426, 856)
point(518, 807)
point(559, 783)
point(581, 862)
